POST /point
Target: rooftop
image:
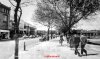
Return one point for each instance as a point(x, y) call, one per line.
point(4, 6)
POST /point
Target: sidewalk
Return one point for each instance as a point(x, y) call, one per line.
point(53, 50)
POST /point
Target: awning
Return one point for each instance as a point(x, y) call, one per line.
point(4, 31)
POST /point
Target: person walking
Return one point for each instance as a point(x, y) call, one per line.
point(61, 39)
point(71, 41)
point(76, 42)
point(83, 41)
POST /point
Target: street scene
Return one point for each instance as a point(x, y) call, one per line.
point(49, 29)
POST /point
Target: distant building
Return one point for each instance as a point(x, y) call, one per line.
point(88, 33)
point(4, 21)
point(29, 29)
point(32, 31)
point(41, 32)
point(24, 28)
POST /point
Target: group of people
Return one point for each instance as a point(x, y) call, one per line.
point(76, 40)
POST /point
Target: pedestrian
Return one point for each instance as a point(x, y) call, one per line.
point(76, 42)
point(83, 41)
point(68, 38)
point(71, 41)
point(61, 39)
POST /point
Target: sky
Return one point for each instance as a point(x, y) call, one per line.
point(28, 12)
point(93, 23)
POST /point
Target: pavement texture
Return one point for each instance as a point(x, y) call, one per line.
point(7, 48)
point(53, 50)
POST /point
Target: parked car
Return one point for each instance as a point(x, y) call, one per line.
point(43, 39)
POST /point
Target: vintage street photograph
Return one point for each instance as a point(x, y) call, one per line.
point(49, 29)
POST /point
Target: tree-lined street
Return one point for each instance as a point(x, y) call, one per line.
point(61, 39)
point(53, 50)
point(46, 49)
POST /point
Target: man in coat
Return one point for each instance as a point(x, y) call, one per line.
point(83, 41)
point(76, 43)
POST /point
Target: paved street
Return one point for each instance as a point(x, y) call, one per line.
point(53, 50)
point(7, 47)
point(95, 40)
point(95, 46)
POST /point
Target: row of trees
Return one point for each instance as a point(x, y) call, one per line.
point(64, 14)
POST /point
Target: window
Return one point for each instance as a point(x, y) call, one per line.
point(5, 18)
point(2, 9)
point(7, 11)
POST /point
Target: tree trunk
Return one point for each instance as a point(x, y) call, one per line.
point(16, 46)
point(16, 28)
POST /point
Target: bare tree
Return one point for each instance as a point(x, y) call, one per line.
point(44, 16)
point(17, 16)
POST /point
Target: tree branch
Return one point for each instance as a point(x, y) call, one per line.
point(12, 3)
point(60, 16)
point(80, 19)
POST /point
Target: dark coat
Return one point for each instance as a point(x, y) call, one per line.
point(76, 40)
point(83, 40)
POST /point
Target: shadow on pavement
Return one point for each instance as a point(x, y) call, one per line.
point(93, 43)
point(90, 54)
point(5, 40)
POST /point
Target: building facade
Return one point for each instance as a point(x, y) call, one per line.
point(24, 28)
point(4, 21)
point(88, 33)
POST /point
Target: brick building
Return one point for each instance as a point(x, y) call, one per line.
point(4, 21)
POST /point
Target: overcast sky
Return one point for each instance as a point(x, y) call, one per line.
point(28, 12)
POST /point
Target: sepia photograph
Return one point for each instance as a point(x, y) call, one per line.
point(49, 29)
